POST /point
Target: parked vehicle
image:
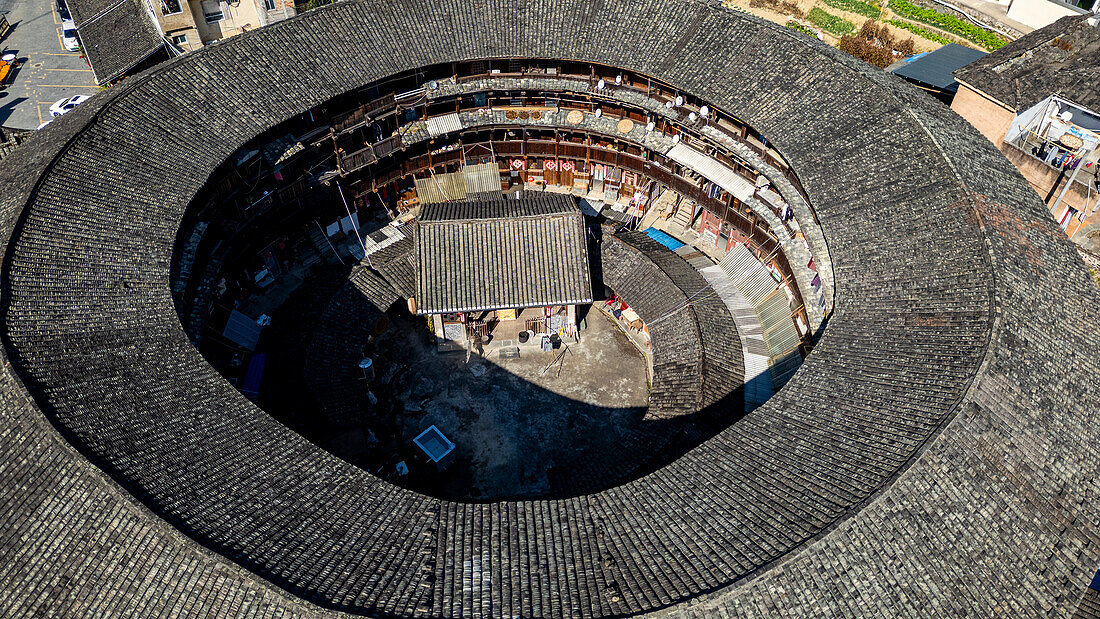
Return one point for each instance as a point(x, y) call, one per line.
point(68, 36)
point(65, 105)
point(8, 64)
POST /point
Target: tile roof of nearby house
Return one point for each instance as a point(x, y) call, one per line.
point(1060, 59)
point(722, 366)
point(115, 36)
point(501, 254)
point(935, 68)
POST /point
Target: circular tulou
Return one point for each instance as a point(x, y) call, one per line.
point(930, 446)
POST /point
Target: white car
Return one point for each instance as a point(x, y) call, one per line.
point(64, 105)
point(68, 35)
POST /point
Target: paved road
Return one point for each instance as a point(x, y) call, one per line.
point(48, 72)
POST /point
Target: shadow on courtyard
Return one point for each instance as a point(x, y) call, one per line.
point(522, 428)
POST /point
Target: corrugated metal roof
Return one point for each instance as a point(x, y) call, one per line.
point(473, 256)
point(750, 276)
point(442, 125)
point(242, 330)
point(714, 171)
point(935, 68)
point(482, 178)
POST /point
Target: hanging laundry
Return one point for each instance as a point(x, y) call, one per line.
point(1053, 155)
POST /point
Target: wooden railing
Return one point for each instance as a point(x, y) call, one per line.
point(363, 113)
point(357, 160)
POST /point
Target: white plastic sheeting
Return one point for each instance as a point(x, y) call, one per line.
point(713, 171)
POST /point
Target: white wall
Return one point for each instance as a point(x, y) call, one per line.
point(1039, 13)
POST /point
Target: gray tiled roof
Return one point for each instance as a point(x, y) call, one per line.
point(721, 363)
point(674, 333)
point(334, 355)
point(488, 255)
point(396, 263)
point(1060, 59)
point(115, 36)
point(83, 10)
point(936, 454)
point(530, 204)
point(696, 349)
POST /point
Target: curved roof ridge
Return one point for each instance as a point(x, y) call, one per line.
point(908, 347)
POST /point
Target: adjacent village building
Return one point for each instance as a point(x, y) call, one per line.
point(1036, 99)
point(125, 37)
point(1039, 13)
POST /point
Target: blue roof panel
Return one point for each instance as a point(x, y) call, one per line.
point(935, 68)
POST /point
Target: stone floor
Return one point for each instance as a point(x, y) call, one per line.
point(514, 420)
point(522, 429)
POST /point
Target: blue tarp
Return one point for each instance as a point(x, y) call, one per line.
point(663, 239)
point(255, 374)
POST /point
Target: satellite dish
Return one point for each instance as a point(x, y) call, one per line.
point(619, 78)
point(600, 84)
point(434, 85)
point(704, 111)
point(668, 104)
point(676, 138)
point(1066, 116)
point(692, 117)
point(650, 126)
point(599, 112)
point(679, 100)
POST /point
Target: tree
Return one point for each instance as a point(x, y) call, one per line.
point(875, 44)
